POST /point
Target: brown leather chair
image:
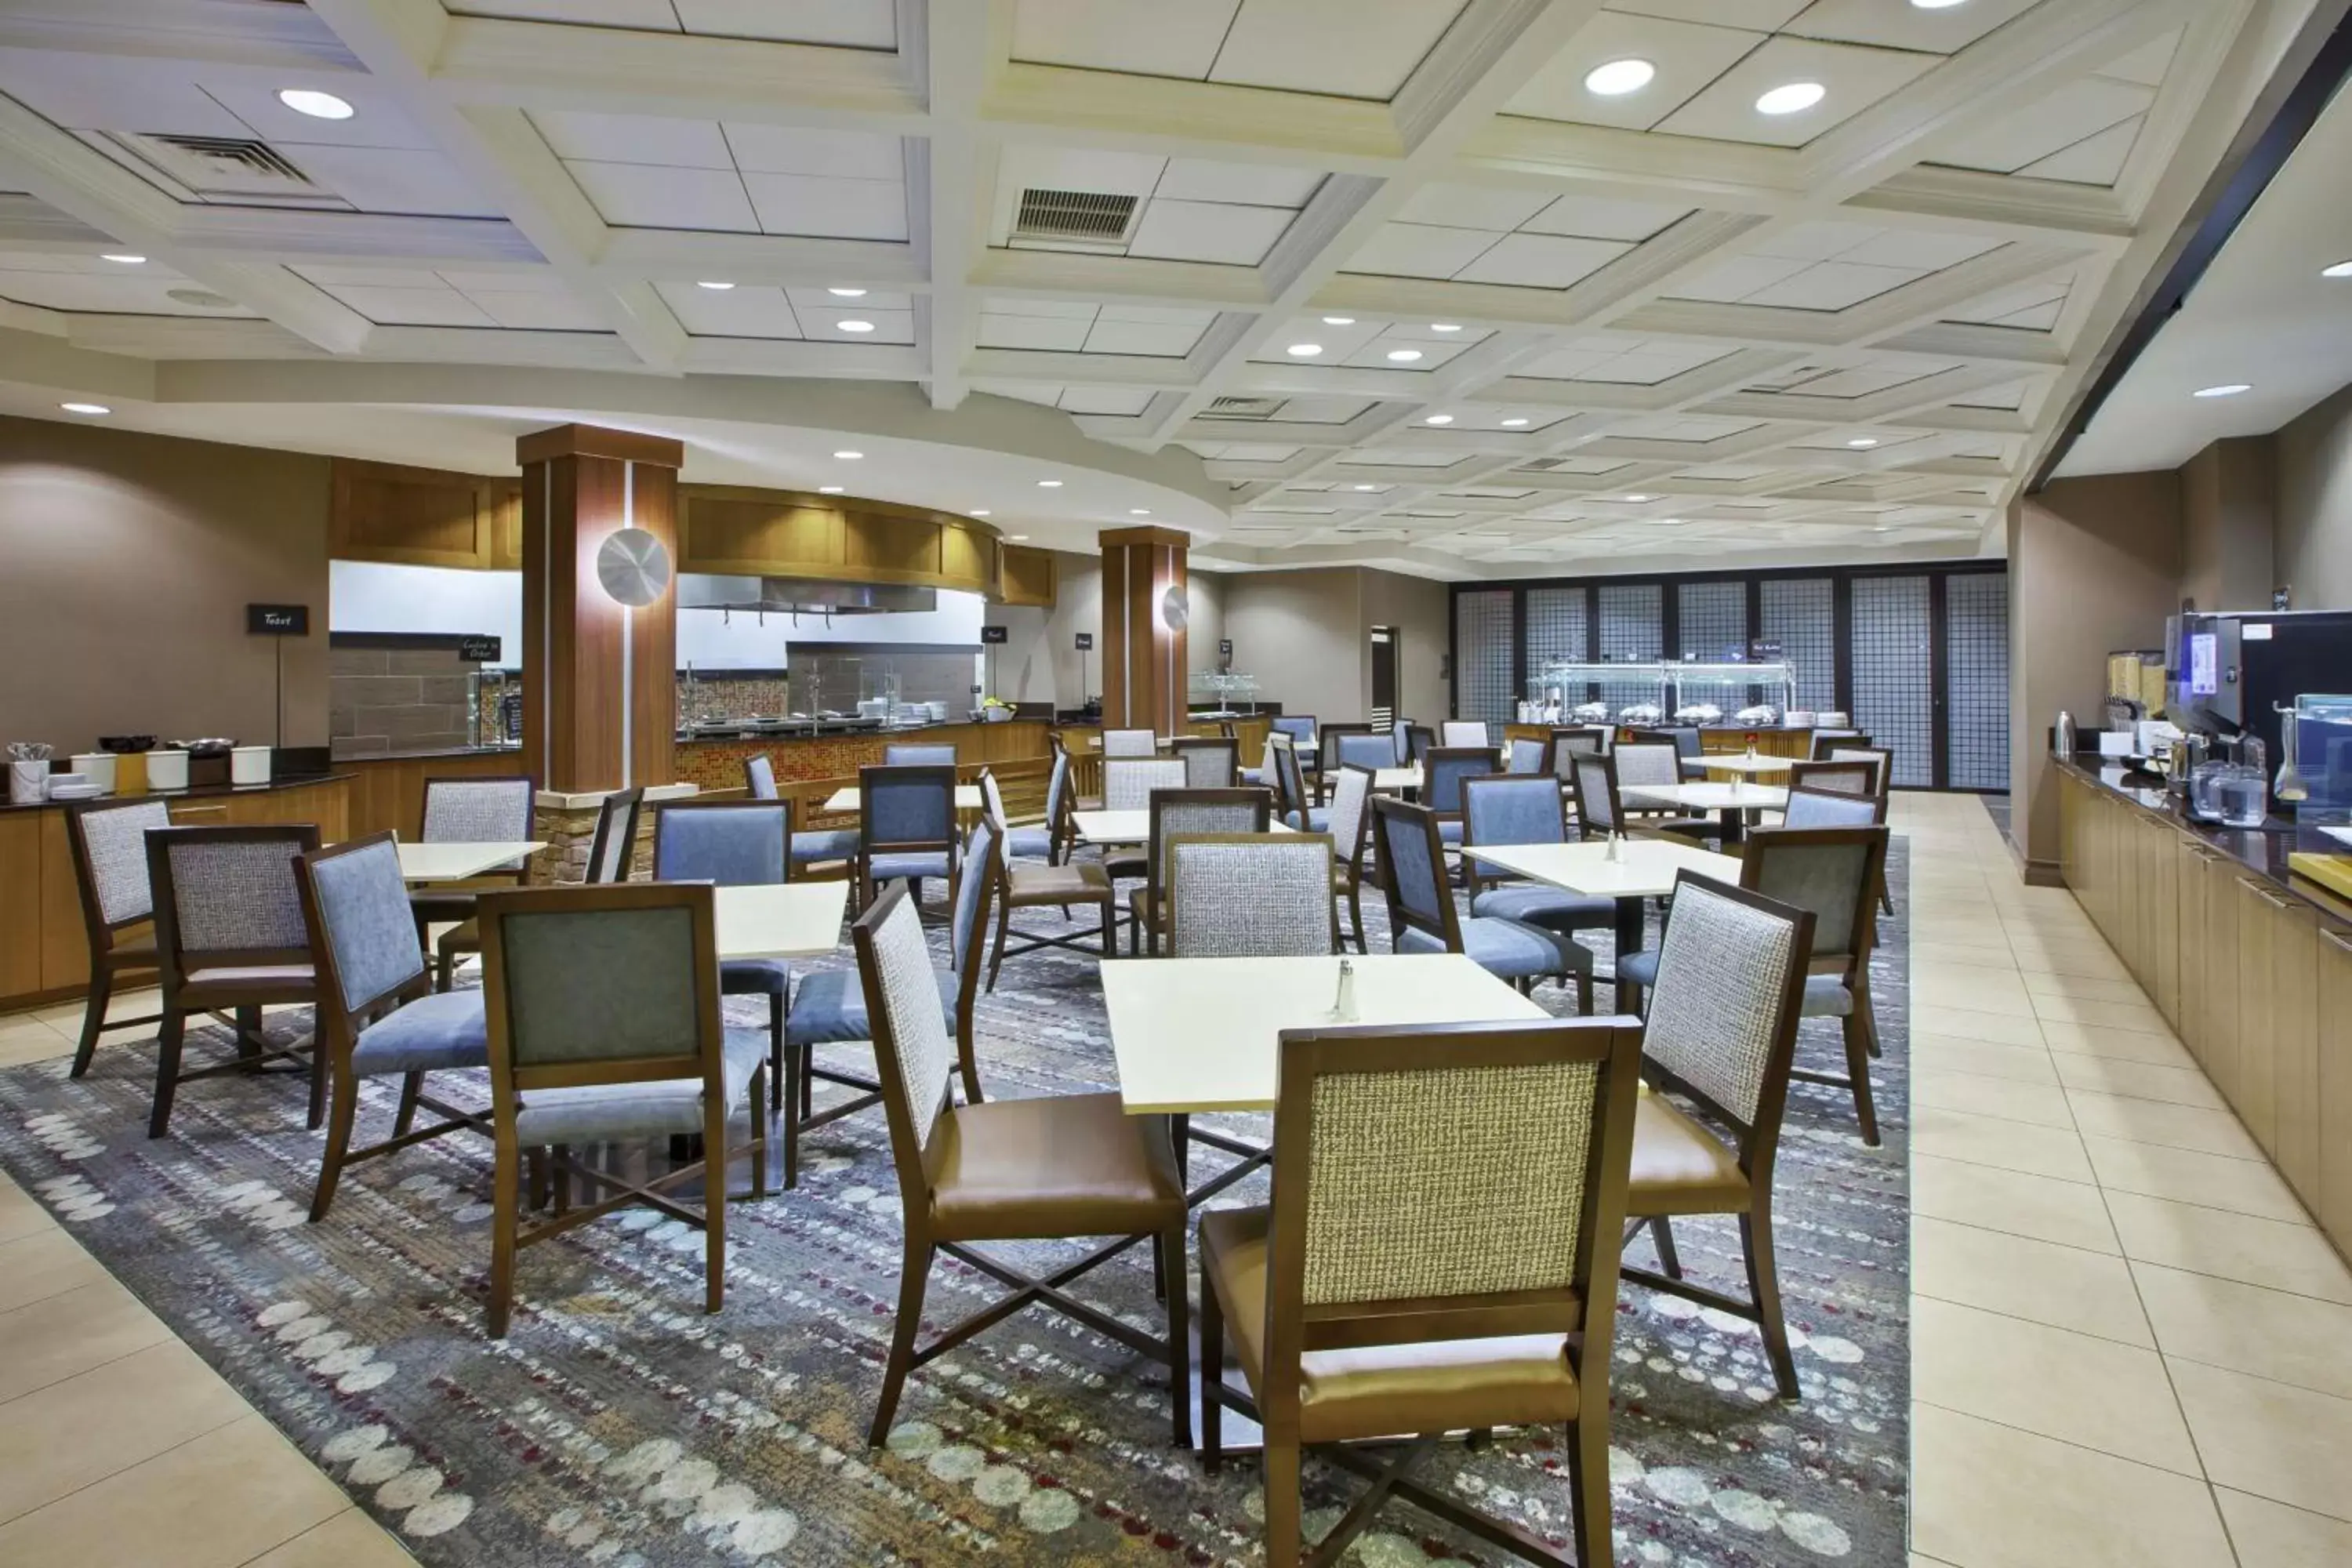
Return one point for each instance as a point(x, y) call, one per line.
point(1722, 1030)
point(1055, 1167)
point(109, 839)
point(1353, 1316)
point(1185, 811)
point(1028, 885)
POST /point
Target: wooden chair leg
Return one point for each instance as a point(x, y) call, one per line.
point(167, 1070)
point(1584, 995)
point(1661, 1232)
point(1857, 1067)
point(1108, 916)
point(338, 1143)
point(412, 1087)
point(318, 1111)
point(1282, 1502)
point(1003, 925)
point(914, 1273)
point(1764, 1290)
point(787, 1124)
point(759, 1133)
point(1588, 1485)
point(1212, 1373)
point(808, 1080)
point(506, 1224)
point(968, 1068)
point(93, 1019)
point(775, 1075)
point(714, 1204)
point(1179, 1341)
point(1356, 916)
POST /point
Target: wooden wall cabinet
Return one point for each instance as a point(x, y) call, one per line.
point(417, 517)
point(743, 532)
point(2333, 1040)
point(1029, 576)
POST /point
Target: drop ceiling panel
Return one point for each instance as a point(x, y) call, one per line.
point(1594, 218)
point(641, 195)
point(1103, 400)
point(2095, 159)
point(828, 208)
point(158, 96)
point(748, 310)
point(438, 307)
point(1832, 286)
point(1351, 48)
point(1943, 30)
point(889, 326)
point(2077, 110)
point(1419, 250)
point(1247, 185)
point(635, 138)
point(645, 16)
point(798, 149)
point(1541, 260)
point(377, 121)
point(1144, 37)
point(1472, 206)
point(1686, 56)
point(1208, 231)
point(1757, 15)
point(848, 24)
point(394, 180)
point(1856, 78)
point(85, 284)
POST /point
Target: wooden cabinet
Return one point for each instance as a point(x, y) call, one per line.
point(2216, 1044)
point(2334, 1043)
point(2254, 1092)
point(416, 517)
point(2294, 1045)
point(20, 905)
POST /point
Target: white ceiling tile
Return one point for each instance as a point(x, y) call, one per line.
point(1856, 77)
point(347, 274)
point(1687, 57)
point(635, 138)
point(394, 180)
point(436, 306)
point(1818, 241)
point(1027, 392)
point(1248, 184)
point(1736, 277)
point(115, 93)
point(2000, 308)
point(1070, 310)
point(1149, 38)
point(797, 149)
point(1759, 16)
point(748, 310)
point(1103, 400)
point(835, 209)
point(376, 121)
point(847, 24)
point(1374, 355)
point(98, 293)
point(641, 195)
point(1338, 343)
point(2145, 65)
point(1541, 260)
point(889, 326)
point(1208, 231)
point(1352, 48)
point(1157, 339)
point(1419, 250)
point(534, 311)
point(641, 15)
point(2095, 159)
point(807, 300)
point(508, 280)
point(1472, 206)
point(1060, 334)
point(1324, 410)
point(1928, 250)
point(2082, 108)
point(1158, 315)
point(1943, 30)
point(1593, 218)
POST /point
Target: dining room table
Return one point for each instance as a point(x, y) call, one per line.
point(455, 860)
point(781, 920)
point(1129, 826)
point(1733, 804)
point(851, 798)
point(1630, 870)
point(1747, 765)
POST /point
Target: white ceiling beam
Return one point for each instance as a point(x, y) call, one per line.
point(266, 35)
point(956, 46)
point(686, 255)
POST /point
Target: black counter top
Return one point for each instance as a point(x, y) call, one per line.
point(194, 792)
point(2261, 852)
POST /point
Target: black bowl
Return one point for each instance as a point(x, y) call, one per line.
point(122, 744)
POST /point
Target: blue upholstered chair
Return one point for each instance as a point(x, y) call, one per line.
point(1442, 786)
point(1349, 822)
point(760, 776)
point(1422, 916)
point(1374, 751)
point(1522, 810)
point(1525, 757)
point(605, 1027)
point(1299, 727)
point(1291, 792)
point(1814, 807)
point(614, 846)
point(1688, 753)
point(914, 754)
point(816, 846)
point(1420, 740)
point(1327, 752)
point(109, 840)
point(1263, 775)
point(1400, 738)
point(1025, 885)
point(377, 1015)
point(905, 826)
point(1050, 841)
point(734, 845)
point(830, 1008)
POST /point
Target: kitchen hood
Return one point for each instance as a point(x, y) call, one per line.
point(797, 595)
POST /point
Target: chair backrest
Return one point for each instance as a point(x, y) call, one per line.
point(615, 843)
point(1128, 781)
point(1597, 808)
point(1400, 738)
point(1831, 872)
point(983, 864)
point(760, 776)
point(1724, 1007)
point(1880, 758)
point(1329, 738)
point(1566, 744)
point(1420, 740)
point(1367, 751)
point(919, 754)
point(226, 896)
point(1129, 744)
point(1444, 772)
point(1824, 741)
point(1686, 739)
point(1844, 777)
point(609, 985)
point(1234, 894)
point(906, 808)
point(109, 839)
point(361, 932)
point(1647, 762)
point(1412, 871)
point(1290, 777)
point(1175, 811)
point(911, 1048)
point(1508, 808)
point(1209, 764)
point(991, 797)
point(1527, 757)
point(1351, 792)
point(478, 811)
point(735, 844)
point(1057, 794)
point(1299, 727)
point(1465, 732)
point(1832, 808)
point(1447, 1182)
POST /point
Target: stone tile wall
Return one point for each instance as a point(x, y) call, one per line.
point(395, 700)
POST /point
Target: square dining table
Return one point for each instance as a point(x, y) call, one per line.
point(455, 860)
point(781, 920)
point(1130, 827)
point(849, 798)
point(1733, 803)
point(1750, 766)
point(1643, 869)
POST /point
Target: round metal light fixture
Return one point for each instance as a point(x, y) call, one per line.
point(1175, 609)
point(317, 105)
point(633, 566)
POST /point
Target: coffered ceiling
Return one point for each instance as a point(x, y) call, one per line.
point(1410, 284)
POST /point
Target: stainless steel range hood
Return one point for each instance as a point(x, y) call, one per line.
point(796, 596)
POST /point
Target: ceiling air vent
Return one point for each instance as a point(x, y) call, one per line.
point(1075, 217)
point(1242, 407)
point(226, 166)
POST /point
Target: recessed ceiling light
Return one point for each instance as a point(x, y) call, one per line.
point(125, 260)
point(846, 293)
point(854, 326)
point(1938, 5)
point(828, 490)
point(2228, 389)
point(317, 105)
point(1338, 321)
point(1404, 356)
point(980, 511)
point(1439, 420)
point(1862, 441)
point(1018, 538)
point(1444, 326)
point(85, 408)
point(1880, 529)
point(1794, 98)
point(1619, 78)
point(1515, 423)
point(1637, 499)
point(714, 284)
point(2341, 269)
point(1138, 511)
point(1305, 350)
point(1368, 487)
point(1049, 484)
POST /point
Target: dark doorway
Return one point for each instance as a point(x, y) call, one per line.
point(1384, 677)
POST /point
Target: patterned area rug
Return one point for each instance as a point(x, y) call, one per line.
point(619, 1426)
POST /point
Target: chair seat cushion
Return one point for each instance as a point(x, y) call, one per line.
point(1549, 907)
point(824, 843)
point(605, 1113)
point(434, 906)
point(1449, 832)
point(1129, 863)
point(1139, 905)
point(441, 1029)
point(831, 1006)
point(1826, 997)
point(754, 977)
point(295, 979)
point(1080, 882)
point(1254, 778)
point(1679, 1167)
point(1318, 820)
point(1055, 1165)
point(139, 954)
point(916, 863)
point(1034, 842)
point(1434, 1386)
point(1507, 950)
point(1639, 968)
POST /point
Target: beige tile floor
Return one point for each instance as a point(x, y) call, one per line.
point(2130, 1349)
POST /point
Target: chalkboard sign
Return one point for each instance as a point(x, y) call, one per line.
point(277, 620)
point(478, 649)
point(1086, 642)
point(995, 634)
point(1764, 648)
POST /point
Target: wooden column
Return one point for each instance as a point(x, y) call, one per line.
point(600, 688)
point(1143, 657)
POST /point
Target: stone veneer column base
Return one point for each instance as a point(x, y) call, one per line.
point(568, 824)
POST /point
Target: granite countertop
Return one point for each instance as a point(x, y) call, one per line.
point(2260, 852)
point(511, 749)
point(195, 792)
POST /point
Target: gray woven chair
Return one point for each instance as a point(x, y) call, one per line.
point(109, 840)
point(1844, 777)
point(469, 811)
point(907, 828)
point(605, 1027)
point(1129, 744)
point(1722, 1031)
point(613, 848)
point(1290, 789)
point(1440, 1256)
point(229, 934)
point(1175, 811)
point(1422, 916)
point(1599, 806)
point(1522, 810)
point(1349, 822)
point(1689, 752)
point(1457, 732)
point(733, 844)
point(378, 1015)
point(1232, 895)
point(912, 754)
point(1881, 759)
point(1812, 807)
point(1128, 781)
point(1208, 764)
point(1367, 750)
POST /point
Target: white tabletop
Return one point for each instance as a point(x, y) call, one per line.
point(1129, 826)
point(1738, 763)
point(1201, 1035)
point(847, 798)
point(1646, 871)
point(455, 860)
point(1396, 778)
point(781, 920)
point(1733, 796)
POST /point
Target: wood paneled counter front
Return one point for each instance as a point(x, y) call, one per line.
point(2251, 967)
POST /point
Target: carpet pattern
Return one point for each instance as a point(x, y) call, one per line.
point(619, 1426)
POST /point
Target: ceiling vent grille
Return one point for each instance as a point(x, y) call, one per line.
point(226, 166)
point(1242, 407)
point(1084, 217)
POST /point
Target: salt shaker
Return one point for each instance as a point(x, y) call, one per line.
point(1616, 849)
point(1343, 1000)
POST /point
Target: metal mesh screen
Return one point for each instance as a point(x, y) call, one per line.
point(1630, 628)
point(1976, 668)
point(1801, 615)
point(1559, 626)
point(1712, 621)
point(1892, 695)
point(1484, 639)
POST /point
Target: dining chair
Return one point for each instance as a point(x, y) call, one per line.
point(1029, 886)
point(1565, 746)
point(1465, 732)
point(1882, 761)
point(1722, 1033)
point(605, 1028)
point(1129, 783)
point(377, 1013)
point(1250, 895)
point(230, 939)
point(1366, 749)
point(1637, 763)
point(1422, 919)
point(1504, 809)
point(1350, 824)
point(914, 754)
point(1688, 753)
point(760, 776)
point(1046, 1167)
point(1262, 775)
point(1049, 841)
point(613, 848)
point(1845, 778)
point(1299, 727)
point(905, 826)
point(1420, 740)
point(1814, 807)
point(830, 1008)
point(1356, 1312)
point(1528, 757)
point(1441, 789)
point(1400, 738)
point(1208, 764)
point(1824, 741)
point(1129, 744)
point(108, 840)
point(1326, 759)
point(1297, 806)
point(469, 811)
point(1175, 811)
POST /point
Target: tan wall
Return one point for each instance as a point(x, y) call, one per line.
point(1421, 610)
point(2313, 548)
point(2094, 564)
point(1040, 661)
point(129, 562)
point(1301, 634)
point(2226, 507)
